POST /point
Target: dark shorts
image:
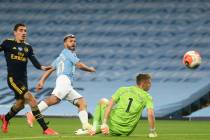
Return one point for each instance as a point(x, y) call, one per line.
point(19, 86)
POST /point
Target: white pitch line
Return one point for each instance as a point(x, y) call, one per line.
point(141, 135)
point(201, 134)
point(42, 137)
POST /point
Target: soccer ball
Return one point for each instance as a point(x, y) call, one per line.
point(192, 59)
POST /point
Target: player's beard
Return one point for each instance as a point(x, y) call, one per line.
point(72, 48)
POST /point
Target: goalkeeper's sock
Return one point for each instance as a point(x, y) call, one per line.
point(40, 119)
point(42, 106)
point(83, 116)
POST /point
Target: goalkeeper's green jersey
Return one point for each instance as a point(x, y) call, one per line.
point(129, 104)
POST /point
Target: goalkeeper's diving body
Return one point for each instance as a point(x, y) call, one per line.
point(120, 115)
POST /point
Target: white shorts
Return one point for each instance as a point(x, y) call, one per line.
point(64, 90)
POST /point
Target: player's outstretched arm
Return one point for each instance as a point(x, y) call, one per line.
point(35, 61)
point(36, 64)
point(45, 68)
point(107, 111)
point(104, 126)
point(151, 120)
point(43, 78)
point(84, 67)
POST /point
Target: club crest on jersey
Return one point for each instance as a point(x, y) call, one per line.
point(14, 48)
point(25, 49)
point(20, 49)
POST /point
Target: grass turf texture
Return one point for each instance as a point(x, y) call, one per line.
point(167, 130)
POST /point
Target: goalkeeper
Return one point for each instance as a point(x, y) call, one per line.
point(121, 114)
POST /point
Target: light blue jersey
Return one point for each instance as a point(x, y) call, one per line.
point(65, 63)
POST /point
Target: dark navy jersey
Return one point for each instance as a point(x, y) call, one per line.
point(17, 55)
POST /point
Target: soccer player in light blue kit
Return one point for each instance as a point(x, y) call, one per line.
point(65, 65)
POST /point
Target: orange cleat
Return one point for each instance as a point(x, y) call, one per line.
point(50, 131)
point(5, 124)
point(30, 118)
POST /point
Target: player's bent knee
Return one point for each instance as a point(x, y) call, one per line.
point(52, 100)
point(57, 100)
point(103, 101)
point(30, 99)
point(81, 103)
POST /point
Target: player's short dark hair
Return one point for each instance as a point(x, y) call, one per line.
point(142, 76)
point(18, 25)
point(68, 36)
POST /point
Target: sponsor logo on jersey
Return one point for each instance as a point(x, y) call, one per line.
point(17, 57)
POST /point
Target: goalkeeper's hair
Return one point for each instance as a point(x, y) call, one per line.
point(18, 25)
point(142, 77)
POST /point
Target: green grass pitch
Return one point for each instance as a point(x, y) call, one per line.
point(167, 130)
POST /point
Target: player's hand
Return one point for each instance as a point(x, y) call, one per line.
point(39, 86)
point(152, 133)
point(45, 68)
point(92, 69)
point(92, 131)
point(105, 129)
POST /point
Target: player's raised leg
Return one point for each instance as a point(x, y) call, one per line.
point(43, 105)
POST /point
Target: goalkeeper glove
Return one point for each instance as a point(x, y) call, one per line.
point(105, 129)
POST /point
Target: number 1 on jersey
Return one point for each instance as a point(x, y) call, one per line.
point(129, 104)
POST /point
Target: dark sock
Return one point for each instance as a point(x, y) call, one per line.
point(13, 111)
point(40, 119)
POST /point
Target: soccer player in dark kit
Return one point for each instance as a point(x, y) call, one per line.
point(17, 52)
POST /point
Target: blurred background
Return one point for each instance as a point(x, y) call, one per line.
point(121, 38)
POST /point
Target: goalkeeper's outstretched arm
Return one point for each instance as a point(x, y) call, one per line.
point(151, 120)
point(104, 126)
point(107, 111)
